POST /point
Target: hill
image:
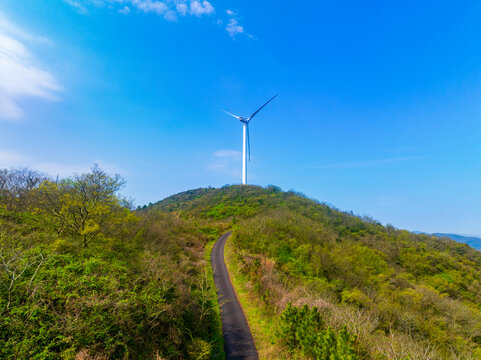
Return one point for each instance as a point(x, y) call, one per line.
point(399, 294)
point(82, 276)
point(472, 241)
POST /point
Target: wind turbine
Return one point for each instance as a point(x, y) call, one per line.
point(246, 143)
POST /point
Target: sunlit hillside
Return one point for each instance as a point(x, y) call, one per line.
point(402, 295)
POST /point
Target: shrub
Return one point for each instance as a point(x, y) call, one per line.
point(300, 329)
point(199, 349)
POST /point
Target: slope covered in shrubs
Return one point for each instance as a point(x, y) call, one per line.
point(397, 294)
point(83, 277)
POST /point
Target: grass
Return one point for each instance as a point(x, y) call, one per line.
point(218, 338)
point(261, 324)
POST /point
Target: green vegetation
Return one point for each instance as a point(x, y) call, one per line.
point(301, 329)
point(216, 328)
point(399, 295)
point(82, 276)
point(260, 319)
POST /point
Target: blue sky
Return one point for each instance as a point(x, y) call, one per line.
point(378, 110)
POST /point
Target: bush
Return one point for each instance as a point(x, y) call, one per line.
point(199, 349)
point(300, 329)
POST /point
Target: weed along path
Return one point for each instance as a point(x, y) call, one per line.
point(238, 342)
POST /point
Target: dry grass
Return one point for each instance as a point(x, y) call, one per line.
point(261, 324)
point(362, 322)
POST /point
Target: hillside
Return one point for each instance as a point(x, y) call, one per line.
point(472, 241)
point(402, 295)
point(84, 277)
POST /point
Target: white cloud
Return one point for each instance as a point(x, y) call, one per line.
point(13, 159)
point(171, 15)
point(10, 159)
point(59, 169)
point(7, 27)
point(233, 28)
point(226, 162)
point(182, 8)
point(157, 7)
point(66, 170)
point(198, 9)
point(227, 153)
point(169, 9)
point(125, 10)
point(369, 163)
point(20, 74)
point(77, 5)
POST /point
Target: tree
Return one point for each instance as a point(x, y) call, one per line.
point(83, 206)
point(17, 185)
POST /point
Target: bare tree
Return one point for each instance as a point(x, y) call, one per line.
point(14, 266)
point(17, 187)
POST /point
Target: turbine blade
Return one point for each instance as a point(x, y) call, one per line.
point(255, 113)
point(237, 117)
point(248, 143)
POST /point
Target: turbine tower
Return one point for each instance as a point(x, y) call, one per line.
point(246, 143)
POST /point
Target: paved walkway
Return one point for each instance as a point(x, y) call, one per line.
point(238, 341)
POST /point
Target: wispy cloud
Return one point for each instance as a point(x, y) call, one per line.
point(7, 27)
point(233, 26)
point(77, 5)
point(368, 163)
point(9, 159)
point(125, 10)
point(65, 170)
point(169, 9)
point(198, 8)
point(226, 162)
point(20, 74)
point(227, 154)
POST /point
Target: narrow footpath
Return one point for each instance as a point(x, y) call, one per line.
point(238, 341)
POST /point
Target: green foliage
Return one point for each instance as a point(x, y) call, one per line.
point(81, 275)
point(84, 206)
point(199, 349)
point(137, 291)
point(217, 204)
point(301, 329)
point(355, 297)
point(406, 295)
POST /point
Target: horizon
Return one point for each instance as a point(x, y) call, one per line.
point(377, 113)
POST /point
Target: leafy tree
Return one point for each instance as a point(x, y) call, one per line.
point(139, 291)
point(85, 205)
